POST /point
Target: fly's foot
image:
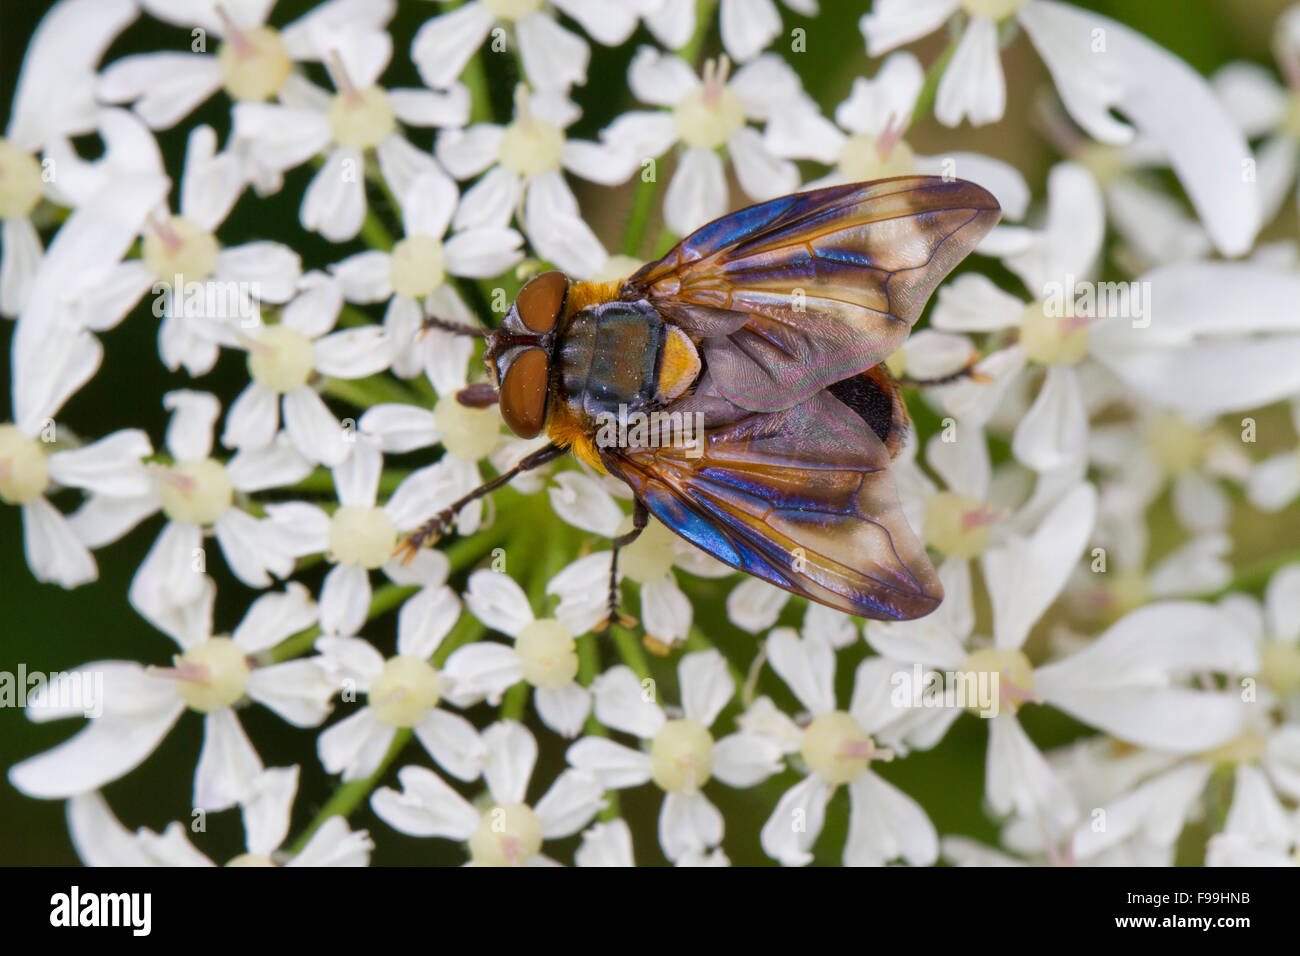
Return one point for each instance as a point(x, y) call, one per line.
point(424, 536)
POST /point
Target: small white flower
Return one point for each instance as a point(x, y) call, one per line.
point(1099, 66)
point(282, 360)
point(196, 493)
point(679, 754)
point(866, 141)
point(254, 61)
point(101, 840)
point(706, 114)
point(419, 266)
point(467, 435)
point(113, 466)
point(522, 166)
point(836, 749)
point(1053, 334)
point(361, 117)
point(402, 691)
point(211, 674)
point(544, 654)
point(552, 57)
point(54, 100)
point(507, 830)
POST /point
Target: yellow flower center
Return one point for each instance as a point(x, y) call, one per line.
point(1245, 749)
point(361, 535)
point(512, 9)
point(681, 756)
point(280, 358)
point(24, 469)
point(250, 859)
point(195, 492)
point(547, 653)
point(957, 525)
point(1279, 666)
point(361, 118)
point(837, 749)
point(650, 556)
point(706, 118)
point(1174, 442)
point(1104, 162)
point(1006, 673)
point(20, 181)
point(617, 266)
point(1050, 339)
point(992, 9)
point(531, 146)
point(177, 251)
point(416, 266)
point(254, 64)
point(508, 835)
point(467, 433)
point(212, 675)
point(1291, 117)
point(863, 158)
point(404, 691)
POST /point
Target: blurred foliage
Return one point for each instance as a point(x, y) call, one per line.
point(49, 629)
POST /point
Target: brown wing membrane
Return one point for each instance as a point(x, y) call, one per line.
point(793, 294)
point(802, 498)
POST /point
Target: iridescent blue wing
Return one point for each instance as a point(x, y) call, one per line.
point(794, 294)
point(802, 498)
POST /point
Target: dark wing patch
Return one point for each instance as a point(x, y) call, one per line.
point(791, 295)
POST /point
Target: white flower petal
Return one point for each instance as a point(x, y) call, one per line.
point(228, 764)
point(453, 742)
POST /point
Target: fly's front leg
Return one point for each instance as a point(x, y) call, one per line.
point(640, 517)
point(429, 532)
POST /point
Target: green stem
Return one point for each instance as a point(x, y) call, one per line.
point(630, 649)
point(704, 10)
point(930, 88)
point(480, 98)
point(639, 217)
point(515, 702)
point(375, 233)
point(371, 391)
point(467, 630)
point(349, 796)
point(351, 317)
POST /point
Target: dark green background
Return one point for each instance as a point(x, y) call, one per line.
point(50, 629)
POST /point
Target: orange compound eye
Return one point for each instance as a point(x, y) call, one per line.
point(523, 392)
point(540, 301)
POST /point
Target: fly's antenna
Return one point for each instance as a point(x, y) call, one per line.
point(477, 395)
point(456, 328)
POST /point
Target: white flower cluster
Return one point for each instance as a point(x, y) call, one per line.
point(1104, 370)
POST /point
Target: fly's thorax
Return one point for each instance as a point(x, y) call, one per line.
point(623, 355)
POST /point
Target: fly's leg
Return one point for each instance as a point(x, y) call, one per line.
point(640, 517)
point(429, 532)
point(966, 371)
